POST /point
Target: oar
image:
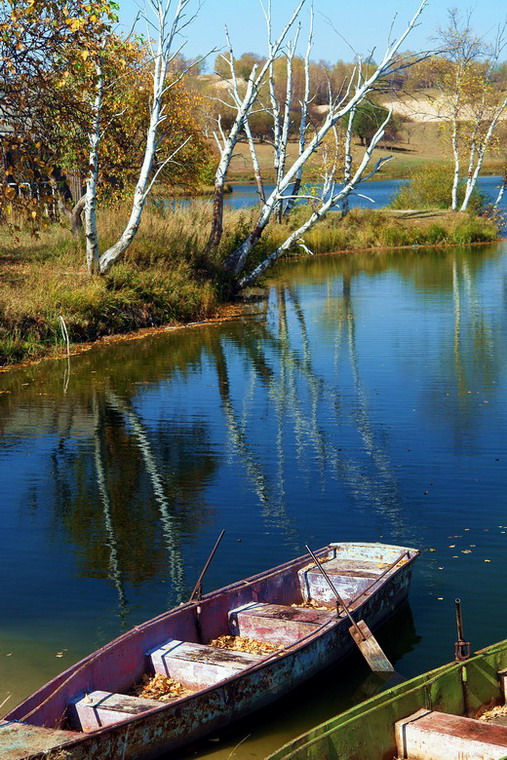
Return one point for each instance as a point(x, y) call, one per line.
point(363, 637)
point(196, 594)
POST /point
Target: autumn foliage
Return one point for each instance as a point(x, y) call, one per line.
point(47, 63)
point(38, 41)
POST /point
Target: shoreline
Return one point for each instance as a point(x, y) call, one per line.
point(224, 313)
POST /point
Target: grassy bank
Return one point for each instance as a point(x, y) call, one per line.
point(165, 279)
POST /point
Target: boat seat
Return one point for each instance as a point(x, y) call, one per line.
point(276, 623)
point(199, 665)
point(350, 577)
point(18, 740)
point(87, 712)
point(502, 675)
point(430, 735)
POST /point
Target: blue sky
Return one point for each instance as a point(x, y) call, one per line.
point(365, 25)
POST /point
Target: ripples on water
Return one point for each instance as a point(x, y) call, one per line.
point(365, 399)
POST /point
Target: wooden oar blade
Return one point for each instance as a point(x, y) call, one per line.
point(370, 649)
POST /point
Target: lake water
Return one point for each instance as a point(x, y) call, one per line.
point(364, 399)
point(381, 192)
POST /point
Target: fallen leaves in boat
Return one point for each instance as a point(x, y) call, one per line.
point(312, 605)
point(244, 644)
point(160, 687)
point(495, 712)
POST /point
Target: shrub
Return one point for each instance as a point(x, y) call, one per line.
point(431, 187)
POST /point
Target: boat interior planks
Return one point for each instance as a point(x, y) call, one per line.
point(96, 711)
point(198, 665)
point(276, 623)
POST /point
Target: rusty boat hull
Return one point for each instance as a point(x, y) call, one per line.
point(270, 606)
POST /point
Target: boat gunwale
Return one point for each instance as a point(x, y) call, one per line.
point(288, 651)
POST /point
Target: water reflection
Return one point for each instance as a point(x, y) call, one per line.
point(355, 402)
point(123, 491)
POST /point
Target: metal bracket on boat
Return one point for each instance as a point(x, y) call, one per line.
point(461, 648)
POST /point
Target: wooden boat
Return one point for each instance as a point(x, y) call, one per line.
point(438, 715)
point(88, 711)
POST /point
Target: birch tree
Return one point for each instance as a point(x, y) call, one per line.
point(170, 19)
point(487, 108)
point(304, 117)
point(472, 105)
point(340, 108)
point(242, 105)
point(331, 195)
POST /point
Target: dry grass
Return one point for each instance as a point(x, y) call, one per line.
point(163, 281)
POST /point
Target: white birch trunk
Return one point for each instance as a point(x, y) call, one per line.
point(162, 57)
point(456, 155)
point(501, 191)
point(303, 125)
point(143, 185)
point(90, 211)
point(243, 106)
point(284, 136)
point(481, 152)
point(255, 162)
point(347, 170)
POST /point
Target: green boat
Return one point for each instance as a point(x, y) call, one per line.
point(443, 714)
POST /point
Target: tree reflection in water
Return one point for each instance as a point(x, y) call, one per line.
point(130, 472)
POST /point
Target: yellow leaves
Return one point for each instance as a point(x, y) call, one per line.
point(75, 24)
point(160, 687)
point(85, 54)
point(244, 644)
point(10, 192)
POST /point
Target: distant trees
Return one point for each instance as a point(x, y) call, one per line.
point(367, 119)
